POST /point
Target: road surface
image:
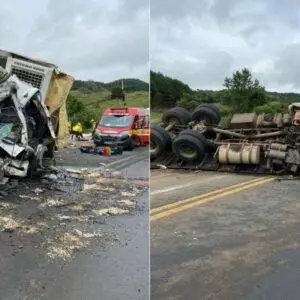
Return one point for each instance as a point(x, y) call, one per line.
point(224, 236)
point(57, 262)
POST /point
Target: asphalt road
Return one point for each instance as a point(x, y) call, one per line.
point(116, 266)
point(234, 237)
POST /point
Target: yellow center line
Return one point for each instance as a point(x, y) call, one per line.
point(179, 203)
point(183, 205)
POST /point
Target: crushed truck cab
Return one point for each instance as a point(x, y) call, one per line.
point(249, 142)
point(27, 138)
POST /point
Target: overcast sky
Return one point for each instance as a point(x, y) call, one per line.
point(202, 41)
point(103, 40)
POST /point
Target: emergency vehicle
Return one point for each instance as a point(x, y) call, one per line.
point(127, 127)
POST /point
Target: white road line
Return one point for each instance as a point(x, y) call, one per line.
point(177, 187)
point(156, 176)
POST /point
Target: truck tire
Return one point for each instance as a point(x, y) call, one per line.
point(130, 145)
point(159, 141)
point(214, 108)
point(205, 114)
point(196, 134)
point(179, 115)
point(209, 146)
point(163, 132)
point(188, 148)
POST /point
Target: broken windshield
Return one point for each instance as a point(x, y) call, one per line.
point(116, 121)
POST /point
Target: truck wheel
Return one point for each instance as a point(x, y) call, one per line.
point(163, 132)
point(205, 114)
point(178, 115)
point(196, 134)
point(130, 145)
point(208, 145)
point(214, 108)
point(188, 148)
point(159, 142)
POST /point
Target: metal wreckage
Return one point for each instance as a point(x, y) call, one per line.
point(248, 143)
point(27, 138)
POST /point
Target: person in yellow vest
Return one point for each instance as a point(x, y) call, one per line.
point(93, 124)
point(77, 130)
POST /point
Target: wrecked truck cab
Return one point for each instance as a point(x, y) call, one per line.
point(27, 138)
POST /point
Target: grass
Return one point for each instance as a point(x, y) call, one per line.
point(155, 115)
point(99, 101)
point(90, 98)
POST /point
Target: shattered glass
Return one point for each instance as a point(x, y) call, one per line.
point(5, 130)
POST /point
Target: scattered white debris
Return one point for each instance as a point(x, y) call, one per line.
point(162, 166)
point(127, 202)
point(116, 174)
point(51, 203)
point(97, 187)
point(64, 218)
point(77, 207)
point(7, 205)
point(112, 211)
point(68, 243)
point(30, 197)
point(8, 223)
point(74, 171)
point(51, 176)
point(38, 191)
point(128, 194)
point(78, 232)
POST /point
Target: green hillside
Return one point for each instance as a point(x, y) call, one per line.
point(130, 85)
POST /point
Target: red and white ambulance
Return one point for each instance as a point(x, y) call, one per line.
point(126, 126)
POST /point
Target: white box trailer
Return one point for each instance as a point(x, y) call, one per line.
point(54, 86)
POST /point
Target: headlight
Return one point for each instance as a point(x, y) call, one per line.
point(124, 133)
point(97, 133)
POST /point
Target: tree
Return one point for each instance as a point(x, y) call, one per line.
point(166, 91)
point(117, 93)
point(74, 106)
point(78, 111)
point(243, 92)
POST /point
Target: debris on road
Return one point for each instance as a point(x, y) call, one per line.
point(63, 221)
point(112, 211)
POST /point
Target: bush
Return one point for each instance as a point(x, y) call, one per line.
point(271, 107)
point(78, 112)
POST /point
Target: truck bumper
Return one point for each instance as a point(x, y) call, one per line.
point(111, 140)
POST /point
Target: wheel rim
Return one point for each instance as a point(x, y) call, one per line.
point(153, 147)
point(187, 151)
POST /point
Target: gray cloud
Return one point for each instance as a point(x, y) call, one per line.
point(201, 41)
point(100, 40)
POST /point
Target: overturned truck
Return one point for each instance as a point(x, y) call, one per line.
point(27, 138)
point(248, 142)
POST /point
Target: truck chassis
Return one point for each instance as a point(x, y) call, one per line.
point(248, 143)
